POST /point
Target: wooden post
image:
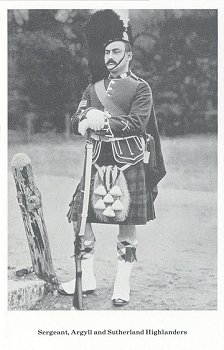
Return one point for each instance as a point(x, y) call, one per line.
point(29, 199)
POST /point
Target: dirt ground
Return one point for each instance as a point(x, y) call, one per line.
point(177, 253)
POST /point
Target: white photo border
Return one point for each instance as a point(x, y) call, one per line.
point(205, 328)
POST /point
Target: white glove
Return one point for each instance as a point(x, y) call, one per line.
point(83, 126)
point(96, 119)
point(107, 114)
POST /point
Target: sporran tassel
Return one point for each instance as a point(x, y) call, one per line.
point(117, 205)
point(115, 191)
point(100, 205)
point(109, 212)
point(108, 199)
point(100, 190)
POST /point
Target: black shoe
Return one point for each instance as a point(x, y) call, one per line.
point(119, 302)
point(63, 292)
point(88, 292)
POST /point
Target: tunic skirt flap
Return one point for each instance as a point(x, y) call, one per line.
point(128, 150)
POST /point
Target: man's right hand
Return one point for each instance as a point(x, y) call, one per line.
point(96, 119)
point(83, 126)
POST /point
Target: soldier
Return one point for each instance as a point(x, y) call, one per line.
point(127, 158)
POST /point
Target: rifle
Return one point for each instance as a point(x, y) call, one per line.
point(81, 223)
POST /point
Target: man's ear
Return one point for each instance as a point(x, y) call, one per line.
point(129, 56)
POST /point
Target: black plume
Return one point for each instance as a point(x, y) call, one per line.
point(104, 26)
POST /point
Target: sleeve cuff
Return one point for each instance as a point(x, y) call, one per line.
point(83, 114)
point(107, 129)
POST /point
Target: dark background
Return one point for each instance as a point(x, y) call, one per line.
point(175, 51)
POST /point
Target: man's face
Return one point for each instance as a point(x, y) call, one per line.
point(115, 56)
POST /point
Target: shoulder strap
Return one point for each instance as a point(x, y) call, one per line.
point(107, 102)
point(101, 91)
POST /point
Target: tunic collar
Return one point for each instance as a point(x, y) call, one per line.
point(121, 76)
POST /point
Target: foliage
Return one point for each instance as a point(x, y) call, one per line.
point(47, 70)
point(179, 60)
point(176, 52)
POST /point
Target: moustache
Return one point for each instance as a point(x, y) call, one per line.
point(111, 61)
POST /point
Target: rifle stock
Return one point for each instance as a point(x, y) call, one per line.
point(78, 244)
point(77, 297)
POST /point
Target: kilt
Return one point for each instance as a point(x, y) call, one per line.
point(141, 208)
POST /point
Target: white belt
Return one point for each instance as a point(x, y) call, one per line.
point(111, 139)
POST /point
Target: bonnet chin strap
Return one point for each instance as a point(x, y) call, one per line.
point(118, 61)
point(101, 91)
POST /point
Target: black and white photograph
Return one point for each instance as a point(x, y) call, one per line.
point(112, 177)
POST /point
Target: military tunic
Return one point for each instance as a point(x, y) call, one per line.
point(128, 99)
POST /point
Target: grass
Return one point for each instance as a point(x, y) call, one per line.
point(177, 253)
point(191, 160)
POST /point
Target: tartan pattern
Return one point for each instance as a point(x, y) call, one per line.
point(141, 207)
point(135, 177)
point(126, 251)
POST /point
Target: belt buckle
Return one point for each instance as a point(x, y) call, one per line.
point(105, 138)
